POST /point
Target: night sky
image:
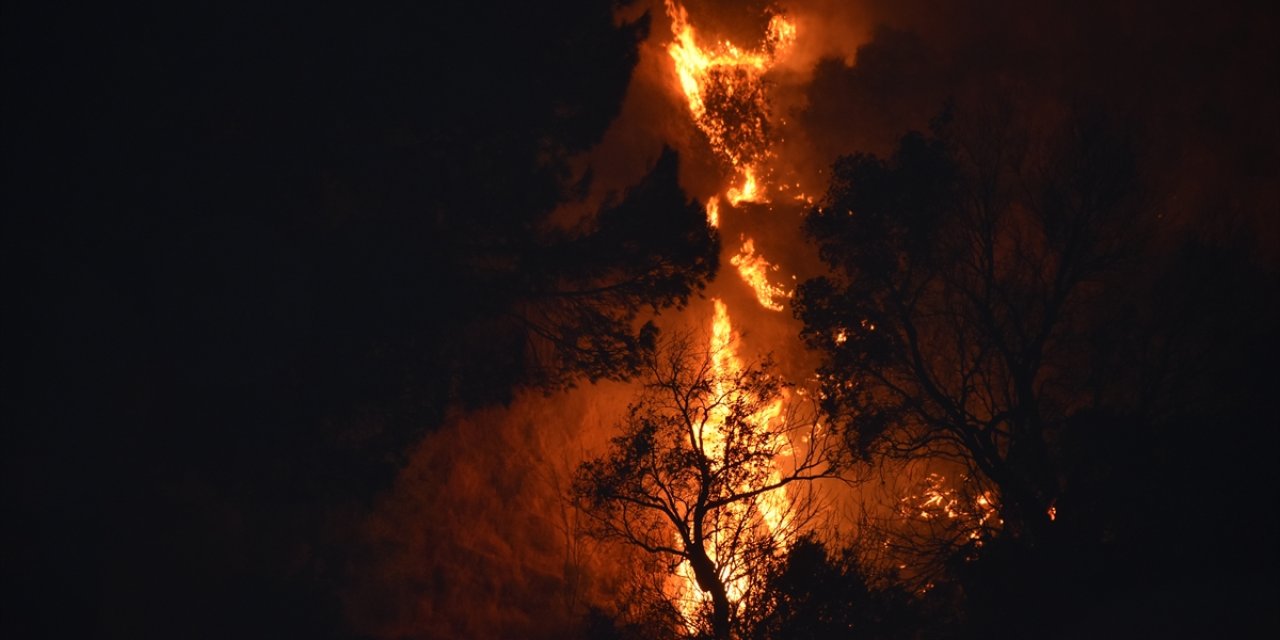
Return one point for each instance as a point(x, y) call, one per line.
point(296, 323)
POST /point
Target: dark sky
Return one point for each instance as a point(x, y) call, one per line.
point(236, 242)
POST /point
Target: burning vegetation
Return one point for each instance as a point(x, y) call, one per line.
point(709, 472)
point(961, 271)
point(727, 93)
point(837, 320)
point(927, 470)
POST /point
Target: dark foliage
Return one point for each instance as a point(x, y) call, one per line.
point(962, 272)
point(810, 594)
point(580, 295)
point(1004, 303)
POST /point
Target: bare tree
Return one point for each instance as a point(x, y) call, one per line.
point(711, 471)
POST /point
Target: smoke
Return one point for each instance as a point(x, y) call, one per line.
point(476, 540)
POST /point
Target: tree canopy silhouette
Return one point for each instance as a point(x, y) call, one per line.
point(576, 295)
point(955, 318)
point(1008, 298)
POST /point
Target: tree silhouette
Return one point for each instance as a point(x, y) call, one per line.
point(963, 272)
point(711, 468)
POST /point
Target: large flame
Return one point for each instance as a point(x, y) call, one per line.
point(772, 506)
point(725, 89)
point(724, 86)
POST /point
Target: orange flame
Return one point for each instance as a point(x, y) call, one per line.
point(728, 75)
point(724, 88)
point(750, 191)
point(754, 270)
point(772, 505)
point(713, 211)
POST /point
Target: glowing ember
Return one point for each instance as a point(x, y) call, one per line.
point(754, 270)
point(713, 211)
point(973, 518)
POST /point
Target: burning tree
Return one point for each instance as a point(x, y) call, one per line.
point(711, 471)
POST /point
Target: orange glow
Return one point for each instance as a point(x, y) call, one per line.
point(725, 362)
point(754, 270)
point(713, 211)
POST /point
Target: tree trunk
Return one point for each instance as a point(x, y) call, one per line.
point(709, 581)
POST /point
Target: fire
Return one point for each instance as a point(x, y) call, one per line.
point(750, 191)
point(725, 89)
point(772, 505)
point(724, 359)
point(725, 362)
point(754, 270)
point(973, 518)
